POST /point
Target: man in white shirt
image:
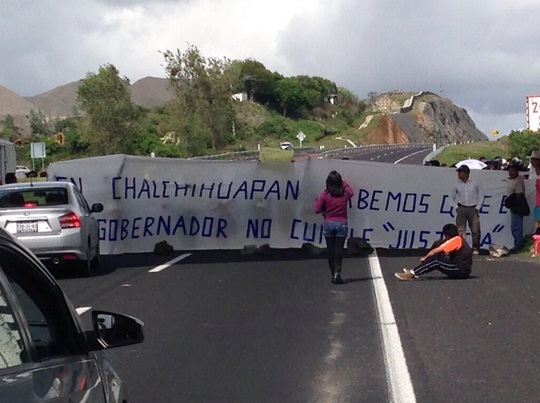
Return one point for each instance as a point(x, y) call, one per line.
point(468, 196)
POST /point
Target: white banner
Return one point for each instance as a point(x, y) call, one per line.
point(198, 204)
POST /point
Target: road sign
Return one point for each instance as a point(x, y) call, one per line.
point(533, 112)
point(301, 136)
point(37, 150)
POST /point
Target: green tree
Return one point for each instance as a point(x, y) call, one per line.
point(350, 105)
point(111, 120)
point(75, 143)
point(292, 97)
point(522, 143)
point(317, 88)
point(203, 98)
point(257, 81)
point(9, 130)
point(38, 123)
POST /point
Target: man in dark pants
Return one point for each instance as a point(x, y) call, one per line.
point(516, 202)
point(452, 256)
point(468, 196)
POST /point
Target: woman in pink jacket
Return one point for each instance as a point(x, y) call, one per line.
point(333, 203)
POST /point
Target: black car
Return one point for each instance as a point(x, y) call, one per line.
point(44, 353)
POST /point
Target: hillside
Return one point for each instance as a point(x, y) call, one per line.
point(150, 92)
point(61, 102)
point(395, 117)
point(14, 105)
point(423, 117)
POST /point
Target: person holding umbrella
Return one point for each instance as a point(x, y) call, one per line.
point(467, 197)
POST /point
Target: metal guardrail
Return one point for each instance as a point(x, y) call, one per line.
point(253, 154)
point(228, 156)
point(240, 155)
point(373, 147)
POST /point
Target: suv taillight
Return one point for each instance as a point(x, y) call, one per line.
point(70, 220)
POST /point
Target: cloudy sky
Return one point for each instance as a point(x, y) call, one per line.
point(483, 55)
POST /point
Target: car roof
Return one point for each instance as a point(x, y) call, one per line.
point(37, 184)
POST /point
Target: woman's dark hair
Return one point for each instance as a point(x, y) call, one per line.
point(334, 184)
point(450, 230)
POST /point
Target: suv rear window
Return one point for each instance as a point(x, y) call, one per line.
point(30, 198)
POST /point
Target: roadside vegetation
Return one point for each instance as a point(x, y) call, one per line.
point(205, 119)
point(518, 144)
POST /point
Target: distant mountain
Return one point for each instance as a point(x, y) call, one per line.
point(61, 102)
point(150, 92)
point(13, 104)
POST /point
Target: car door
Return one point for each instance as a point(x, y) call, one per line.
point(43, 352)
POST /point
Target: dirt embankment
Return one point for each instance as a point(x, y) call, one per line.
point(387, 132)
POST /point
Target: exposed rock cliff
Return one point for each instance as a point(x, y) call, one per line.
point(424, 117)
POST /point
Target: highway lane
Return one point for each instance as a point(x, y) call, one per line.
point(245, 331)
point(395, 155)
point(230, 328)
point(470, 340)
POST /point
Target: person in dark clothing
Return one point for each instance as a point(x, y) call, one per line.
point(516, 202)
point(10, 178)
point(333, 203)
point(452, 256)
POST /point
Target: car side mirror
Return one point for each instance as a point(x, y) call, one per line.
point(97, 208)
point(116, 330)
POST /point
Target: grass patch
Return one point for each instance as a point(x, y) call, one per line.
point(487, 149)
point(271, 154)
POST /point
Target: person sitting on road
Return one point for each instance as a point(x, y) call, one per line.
point(452, 256)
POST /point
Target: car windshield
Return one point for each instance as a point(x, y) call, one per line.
point(33, 197)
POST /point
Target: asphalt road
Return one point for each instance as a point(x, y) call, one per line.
point(222, 327)
point(395, 155)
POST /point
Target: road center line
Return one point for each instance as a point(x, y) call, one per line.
point(397, 373)
point(410, 155)
point(169, 263)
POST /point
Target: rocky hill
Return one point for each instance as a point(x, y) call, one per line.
point(422, 117)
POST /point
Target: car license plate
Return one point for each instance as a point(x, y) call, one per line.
point(24, 227)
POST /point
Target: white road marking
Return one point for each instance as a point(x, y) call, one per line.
point(83, 309)
point(397, 373)
point(410, 155)
point(156, 269)
point(169, 263)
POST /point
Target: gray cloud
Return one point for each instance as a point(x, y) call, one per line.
point(483, 57)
